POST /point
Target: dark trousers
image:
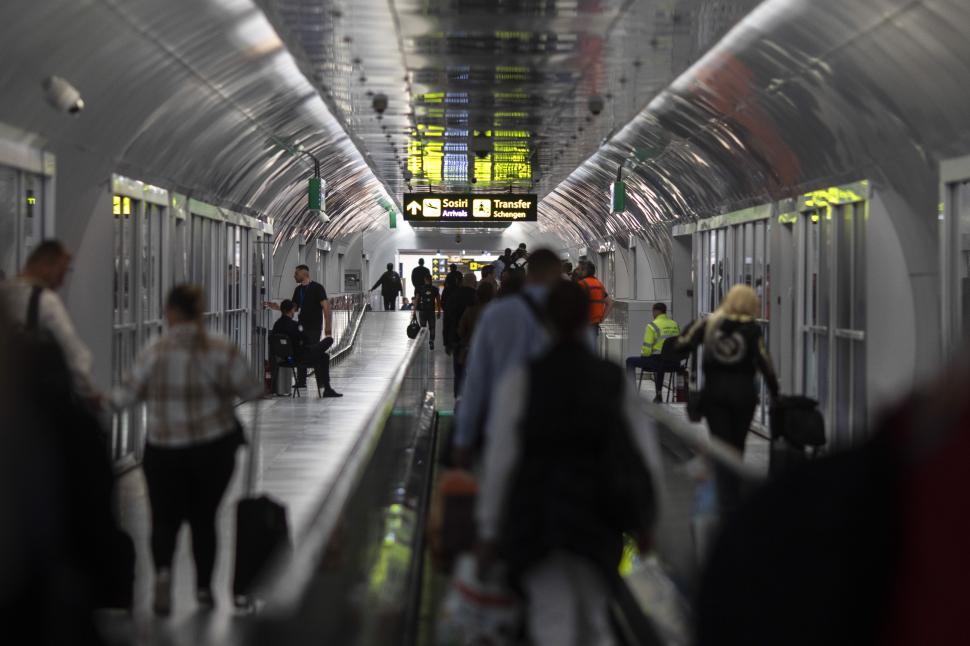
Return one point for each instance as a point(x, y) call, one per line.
point(459, 369)
point(187, 484)
point(729, 421)
point(653, 364)
point(427, 319)
point(389, 302)
point(311, 355)
point(317, 357)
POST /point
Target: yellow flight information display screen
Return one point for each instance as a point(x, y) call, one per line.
point(469, 209)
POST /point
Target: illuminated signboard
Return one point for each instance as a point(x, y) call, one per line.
point(469, 208)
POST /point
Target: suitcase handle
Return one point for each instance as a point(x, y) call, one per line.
point(249, 484)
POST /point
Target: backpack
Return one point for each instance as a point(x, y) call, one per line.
point(42, 347)
point(426, 298)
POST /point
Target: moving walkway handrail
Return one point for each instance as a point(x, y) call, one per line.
point(712, 448)
point(285, 585)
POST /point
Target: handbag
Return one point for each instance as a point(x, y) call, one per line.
point(413, 327)
point(695, 407)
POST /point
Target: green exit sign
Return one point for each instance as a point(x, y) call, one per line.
point(618, 197)
point(315, 195)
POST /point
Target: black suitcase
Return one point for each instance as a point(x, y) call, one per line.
point(262, 531)
point(798, 420)
point(796, 426)
point(116, 577)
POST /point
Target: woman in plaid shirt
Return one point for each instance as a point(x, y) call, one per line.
point(190, 381)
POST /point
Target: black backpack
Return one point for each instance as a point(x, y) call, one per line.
point(426, 298)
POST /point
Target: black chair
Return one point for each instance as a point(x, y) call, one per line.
point(676, 361)
point(284, 356)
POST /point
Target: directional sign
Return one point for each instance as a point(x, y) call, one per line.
point(470, 208)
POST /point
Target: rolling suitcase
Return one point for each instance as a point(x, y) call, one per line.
point(116, 585)
point(262, 531)
point(796, 426)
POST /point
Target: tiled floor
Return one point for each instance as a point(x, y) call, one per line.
point(303, 443)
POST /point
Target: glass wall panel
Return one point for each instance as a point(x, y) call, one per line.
point(9, 216)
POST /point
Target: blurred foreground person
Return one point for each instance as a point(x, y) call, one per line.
point(734, 352)
point(190, 381)
point(565, 475)
point(461, 299)
point(508, 334)
point(466, 328)
point(863, 547)
point(59, 542)
point(43, 274)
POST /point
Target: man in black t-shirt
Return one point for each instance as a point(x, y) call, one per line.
point(314, 315)
point(427, 302)
point(418, 275)
point(314, 354)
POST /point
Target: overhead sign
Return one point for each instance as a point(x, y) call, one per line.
point(469, 208)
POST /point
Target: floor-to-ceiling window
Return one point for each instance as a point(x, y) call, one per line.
point(830, 239)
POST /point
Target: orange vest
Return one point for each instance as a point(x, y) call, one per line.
point(597, 299)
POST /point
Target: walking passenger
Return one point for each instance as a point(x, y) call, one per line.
point(657, 333)
point(190, 381)
point(462, 297)
point(565, 476)
point(390, 284)
point(512, 282)
point(418, 275)
point(452, 283)
point(466, 330)
point(314, 354)
point(43, 274)
point(488, 276)
point(455, 310)
point(509, 333)
point(428, 304)
point(734, 350)
point(600, 303)
point(504, 262)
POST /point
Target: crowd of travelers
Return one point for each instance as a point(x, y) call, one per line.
point(866, 543)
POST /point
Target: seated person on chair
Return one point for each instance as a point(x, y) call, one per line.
point(314, 354)
point(659, 330)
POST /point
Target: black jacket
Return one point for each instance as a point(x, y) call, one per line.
point(389, 282)
point(418, 276)
point(289, 327)
point(732, 356)
point(460, 299)
point(580, 481)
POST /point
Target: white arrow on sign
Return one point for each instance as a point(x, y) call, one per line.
point(414, 207)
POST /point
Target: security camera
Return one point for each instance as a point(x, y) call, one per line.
point(62, 95)
point(320, 215)
point(595, 104)
point(458, 238)
point(379, 103)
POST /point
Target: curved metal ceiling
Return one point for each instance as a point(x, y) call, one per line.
point(485, 95)
point(801, 94)
point(199, 96)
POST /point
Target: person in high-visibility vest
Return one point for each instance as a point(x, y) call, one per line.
point(600, 302)
point(658, 331)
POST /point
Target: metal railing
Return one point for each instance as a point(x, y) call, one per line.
point(351, 578)
point(347, 311)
